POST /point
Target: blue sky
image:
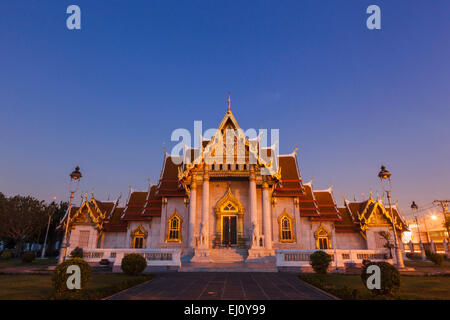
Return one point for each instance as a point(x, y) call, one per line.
point(107, 96)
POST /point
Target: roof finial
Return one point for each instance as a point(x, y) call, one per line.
point(229, 102)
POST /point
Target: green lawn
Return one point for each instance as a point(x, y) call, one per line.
point(412, 287)
point(16, 262)
point(35, 287)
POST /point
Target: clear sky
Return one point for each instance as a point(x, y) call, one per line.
point(107, 96)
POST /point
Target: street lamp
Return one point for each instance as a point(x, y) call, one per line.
point(75, 177)
point(50, 214)
point(415, 208)
point(385, 176)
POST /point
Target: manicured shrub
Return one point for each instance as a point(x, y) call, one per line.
point(133, 264)
point(437, 259)
point(6, 255)
point(77, 253)
point(60, 275)
point(320, 261)
point(390, 278)
point(28, 256)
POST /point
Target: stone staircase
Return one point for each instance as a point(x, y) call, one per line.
point(228, 255)
point(228, 260)
point(227, 267)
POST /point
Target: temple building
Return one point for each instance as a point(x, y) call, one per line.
point(223, 212)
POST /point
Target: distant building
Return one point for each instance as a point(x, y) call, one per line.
point(426, 229)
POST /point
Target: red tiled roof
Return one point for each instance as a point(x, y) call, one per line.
point(114, 223)
point(291, 181)
point(327, 206)
point(153, 204)
point(169, 185)
point(367, 208)
point(307, 203)
point(346, 224)
point(135, 206)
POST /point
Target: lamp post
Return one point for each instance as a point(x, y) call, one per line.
point(415, 208)
point(385, 176)
point(52, 211)
point(75, 177)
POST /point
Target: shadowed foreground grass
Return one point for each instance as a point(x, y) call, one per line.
point(17, 262)
point(411, 287)
point(38, 287)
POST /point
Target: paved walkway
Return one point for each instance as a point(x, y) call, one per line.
point(223, 286)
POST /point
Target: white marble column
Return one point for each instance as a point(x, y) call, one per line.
point(205, 212)
point(267, 221)
point(298, 227)
point(162, 230)
point(192, 214)
point(253, 218)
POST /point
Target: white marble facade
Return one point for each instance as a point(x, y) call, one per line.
point(264, 214)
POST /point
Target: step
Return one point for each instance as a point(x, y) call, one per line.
point(228, 255)
point(227, 267)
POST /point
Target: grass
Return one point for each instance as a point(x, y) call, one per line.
point(412, 287)
point(427, 266)
point(39, 287)
point(17, 262)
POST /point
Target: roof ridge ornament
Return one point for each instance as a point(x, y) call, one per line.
point(229, 102)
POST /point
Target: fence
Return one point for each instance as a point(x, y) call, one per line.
point(154, 257)
point(437, 247)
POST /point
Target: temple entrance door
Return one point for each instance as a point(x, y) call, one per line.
point(229, 231)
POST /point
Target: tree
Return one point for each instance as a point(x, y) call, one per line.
point(55, 235)
point(22, 219)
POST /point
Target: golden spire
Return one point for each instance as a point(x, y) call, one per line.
point(229, 102)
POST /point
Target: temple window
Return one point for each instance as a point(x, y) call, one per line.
point(212, 167)
point(138, 242)
point(229, 167)
point(286, 223)
point(322, 238)
point(83, 241)
point(174, 228)
point(323, 243)
point(138, 237)
point(221, 167)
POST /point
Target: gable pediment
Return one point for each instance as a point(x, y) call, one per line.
point(378, 218)
point(87, 215)
point(229, 204)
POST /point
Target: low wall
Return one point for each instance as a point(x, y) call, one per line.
point(155, 257)
point(339, 257)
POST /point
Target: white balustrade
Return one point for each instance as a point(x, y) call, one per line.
point(154, 257)
point(298, 258)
